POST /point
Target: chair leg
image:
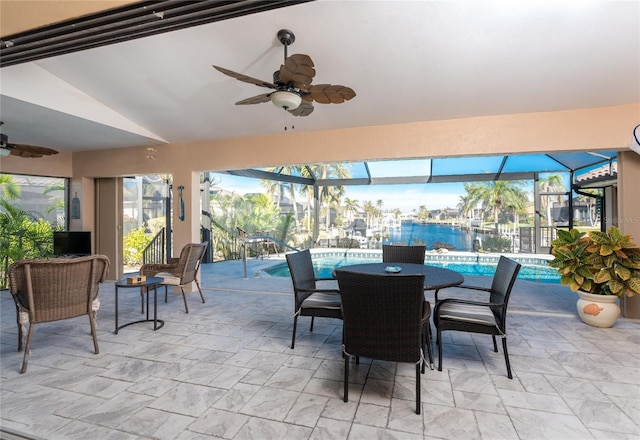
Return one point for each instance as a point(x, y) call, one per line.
point(418, 368)
point(346, 377)
point(439, 341)
point(495, 346)
point(141, 301)
point(311, 328)
point(200, 290)
point(92, 322)
point(27, 349)
point(20, 335)
point(429, 347)
point(184, 297)
point(506, 357)
point(295, 325)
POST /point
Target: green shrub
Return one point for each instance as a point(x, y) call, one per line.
point(496, 244)
point(134, 243)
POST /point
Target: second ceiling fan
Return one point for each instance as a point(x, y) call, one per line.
point(292, 86)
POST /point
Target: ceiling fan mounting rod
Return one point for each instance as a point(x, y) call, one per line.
point(286, 37)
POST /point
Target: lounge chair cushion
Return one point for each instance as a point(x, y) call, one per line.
point(468, 313)
point(169, 278)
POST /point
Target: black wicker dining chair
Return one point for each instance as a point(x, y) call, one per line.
point(477, 316)
point(382, 319)
point(393, 253)
point(309, 299)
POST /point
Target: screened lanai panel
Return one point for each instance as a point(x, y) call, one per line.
point(448, 166)
point(436, 170)
point(532, 163)
point(400, 168)
point(574, 161)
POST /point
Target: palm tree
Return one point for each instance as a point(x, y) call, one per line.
point(464, 206)
point(498, 195)
point(552, 183)
point(9, 189)
point(350, 205)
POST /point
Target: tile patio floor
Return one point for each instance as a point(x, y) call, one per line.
point(225, 370)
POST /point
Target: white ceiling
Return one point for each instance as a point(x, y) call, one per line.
point(406, 60)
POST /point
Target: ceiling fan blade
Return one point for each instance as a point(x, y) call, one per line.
point(331, 94)
point(304, 109)
point(31, 151)
point(258, 99)
point(297, 68)
point(245, 78)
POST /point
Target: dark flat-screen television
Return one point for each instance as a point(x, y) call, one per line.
point(71, 243)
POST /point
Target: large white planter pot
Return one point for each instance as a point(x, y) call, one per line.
point(598, 310)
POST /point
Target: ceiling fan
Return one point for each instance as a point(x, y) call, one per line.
point(292, 86)
point(21, 150)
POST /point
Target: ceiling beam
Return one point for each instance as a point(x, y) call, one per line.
point(137, 20)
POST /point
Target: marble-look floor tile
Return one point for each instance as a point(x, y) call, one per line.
point(261, 429)
point(604, 415)
point(270, 403)
point(363, 432)
point(294, 379)
point(445, 422)
point(372, 415)
point(188, 399)
point(219, 423)
point(328, 429)
point(536, 425)
point(233, 376)
point(496, 427)
point(306, 410)
point(479, 402)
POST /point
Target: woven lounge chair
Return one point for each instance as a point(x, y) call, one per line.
point(46, 290)
point(480, 317)
point(179, 271)
point(392, 253)
point(383, 319)
point(309, 299)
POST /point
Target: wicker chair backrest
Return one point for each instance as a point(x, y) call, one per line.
point(382, 315)
point(190, 259)
point(403, 254)
point(502, 284)
point(302, 274)
point(59, 288)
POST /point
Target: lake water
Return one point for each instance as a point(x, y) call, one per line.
point(430, 233)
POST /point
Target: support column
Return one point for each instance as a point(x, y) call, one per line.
point(629, 213)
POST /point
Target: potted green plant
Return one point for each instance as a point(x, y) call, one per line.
point(601, 267)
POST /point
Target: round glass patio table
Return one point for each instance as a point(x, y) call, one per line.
point(434, 277)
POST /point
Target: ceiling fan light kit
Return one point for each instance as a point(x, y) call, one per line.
point(5, 148)
point(286, 100)
point(292, 83)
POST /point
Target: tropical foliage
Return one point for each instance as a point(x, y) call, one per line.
point(496, 197)
point(603, 263)
point(21, 234)
point(133, 245)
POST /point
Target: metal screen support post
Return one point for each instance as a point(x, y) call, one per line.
point(244, 257)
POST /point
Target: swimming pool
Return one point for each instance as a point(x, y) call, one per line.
point(534, 268)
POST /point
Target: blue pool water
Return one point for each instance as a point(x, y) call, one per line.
point(325, 263)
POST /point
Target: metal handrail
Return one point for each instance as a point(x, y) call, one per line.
point(154, 252)
point(261, 237)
